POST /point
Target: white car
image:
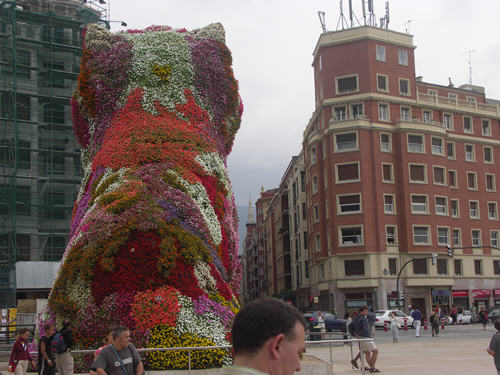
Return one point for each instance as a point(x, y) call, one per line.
point(383, 315)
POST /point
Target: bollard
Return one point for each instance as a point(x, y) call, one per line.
point(425, 324)
point(405, 320)
point(442, 323)
point(386, 326)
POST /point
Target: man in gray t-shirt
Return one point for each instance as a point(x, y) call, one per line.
point(129, 361)
point(494, 348)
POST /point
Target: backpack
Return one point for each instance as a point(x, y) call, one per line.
point(57, 344)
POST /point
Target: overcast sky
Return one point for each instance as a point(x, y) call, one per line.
point(272, 43)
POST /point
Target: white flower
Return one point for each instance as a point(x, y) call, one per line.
point(213, 164)
point(205, 280)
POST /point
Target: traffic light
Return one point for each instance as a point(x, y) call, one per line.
point(434, 258)
point(450, 250)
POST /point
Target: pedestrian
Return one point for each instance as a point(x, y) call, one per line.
point(368, 347)
point(20, 356)
point(473, 313)
point(483, 317)
point(320, 317)
point(64, 359)
point(268, 338)
point(434, 319)
point(494, 348)
point(120, 357)
point(371, 317)
point(453, 315)
point(46, 361)
point(394, 327)
point(107, 340)
point(348, 320)
point(417, 320)
point(460, 314)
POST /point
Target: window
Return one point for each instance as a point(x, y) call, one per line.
point(23, 199)
point(443, 236)
point(340, 113)
point(450, 148)
point(471, 99)
point(354, 267)
point(390, 235)
point(478, 266)
point(439, 175)
point(420, 266)
point(474, 209)
point(7, 153)
point(385, 142)
point(452, 178)
point(441, 206)
point(469, 153)
point(317, 242)
point(303, 181)
point(350, 236)
point(380, 53)
point(325, 180)
point(458, 266)
point(389, 204)
point(496, 267)
point(402, 57)
point(486, 128)
point(457, 235)
point(304, 212)
point(305, 240)
point(448, 121)
point(347, 84)
point(494, 238)
point(415, 143)
point(468, 125)
point(405, 113)
point(490, 182)
point(54, 113)
point(347, 172)
point(452, 96)
point(404, 86)
point(23, 106)
point(454, 208)
point(349, 203)
point(315, 184)
point(383, 112)
point(432, 92)
point(316, 213)
point(419, 204)
point(442, 267)
point(313, 155)
point(382, 83)
point(387, 174)
point(421, 235)
point(327, 214)
point(346, 142)
point(492, 211)
point(357, 110)
point(471, 181)
point(437, 146)
point(393, 266)
point(476, 237)
point(488, 154)
point(427, 115)
point(418, 173)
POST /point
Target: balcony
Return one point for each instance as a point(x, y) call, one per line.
point(454, 103)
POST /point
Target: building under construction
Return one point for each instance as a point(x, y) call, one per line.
point(40, 171)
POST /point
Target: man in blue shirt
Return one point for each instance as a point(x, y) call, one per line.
point(368, 347)
point(417, 320)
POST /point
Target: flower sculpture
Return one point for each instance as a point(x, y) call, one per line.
point(153, 242)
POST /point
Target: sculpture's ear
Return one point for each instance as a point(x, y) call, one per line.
point(213, 31)
point(97, 38)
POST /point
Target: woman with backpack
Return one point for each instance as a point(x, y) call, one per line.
point(434, 319)
point(20, 354)
point(46, 361)
point(483, 317)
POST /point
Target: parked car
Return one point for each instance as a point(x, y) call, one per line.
point(383, 315)
point(493, 314)
point(466, 317)
point(332, 323)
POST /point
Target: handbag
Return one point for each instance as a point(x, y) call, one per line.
point(119, 359)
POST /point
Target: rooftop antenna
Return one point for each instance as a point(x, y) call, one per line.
point(407, 24)
point(387, 18)
point(469, 62)
point(321, 15)
point(342, 17)
point(371, 18)
point(364, 11)
point(352, 16)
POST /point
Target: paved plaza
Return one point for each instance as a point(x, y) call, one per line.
point(458, 350)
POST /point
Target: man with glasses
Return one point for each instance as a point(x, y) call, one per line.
point(268, 338)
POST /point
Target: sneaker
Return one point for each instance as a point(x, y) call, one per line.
point(355, 364)
point(374, 370)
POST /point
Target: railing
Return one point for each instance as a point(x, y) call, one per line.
point(454, 102)
point(190, 349)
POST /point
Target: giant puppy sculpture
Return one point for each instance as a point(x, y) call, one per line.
point(153, 242)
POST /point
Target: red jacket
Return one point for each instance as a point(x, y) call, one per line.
point(19, 352)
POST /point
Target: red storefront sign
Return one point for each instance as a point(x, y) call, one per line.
point(497, 292)
point(460, 293)
point(481, 293)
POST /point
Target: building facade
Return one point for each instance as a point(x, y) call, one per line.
point(397, 169)
point(40, 169)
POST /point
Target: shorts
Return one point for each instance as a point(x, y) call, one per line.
point(367, 346)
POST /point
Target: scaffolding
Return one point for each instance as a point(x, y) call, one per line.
point(40, 171)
